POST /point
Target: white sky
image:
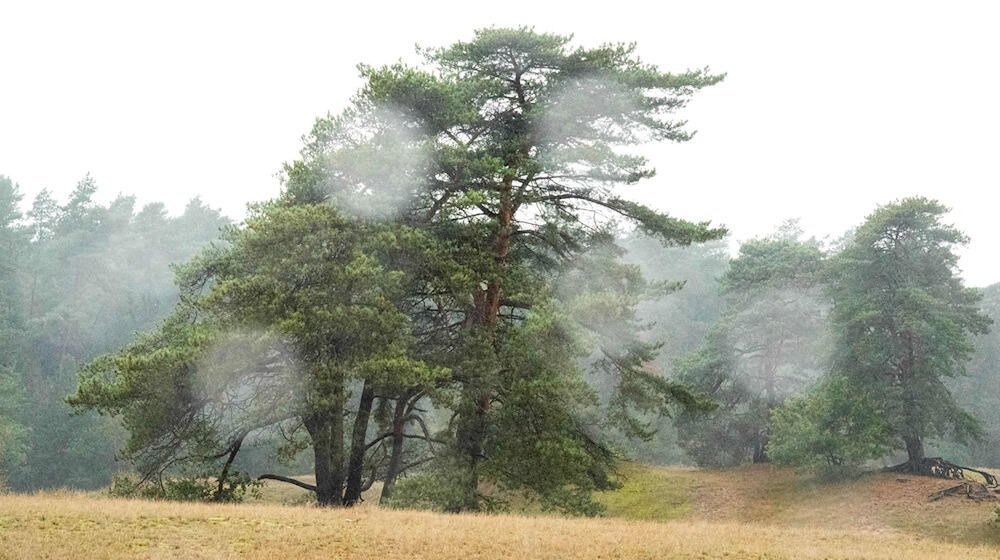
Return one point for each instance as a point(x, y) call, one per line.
point(828, 108)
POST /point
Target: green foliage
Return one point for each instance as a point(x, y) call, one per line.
point(904, 321)
point(14, 434)
point(76, 280)
point(501, 149)
point(186, 488)
point(978, 392)
point(832, 431)
point(767, 345)
point(683, 304)
point(271, 331)
point(439, 489)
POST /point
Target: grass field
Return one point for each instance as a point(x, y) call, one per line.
point(753, 513)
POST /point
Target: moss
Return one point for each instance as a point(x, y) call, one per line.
point(650, 493)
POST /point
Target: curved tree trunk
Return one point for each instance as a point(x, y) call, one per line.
point(233, 450)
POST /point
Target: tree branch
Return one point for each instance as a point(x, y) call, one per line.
point(280, 478)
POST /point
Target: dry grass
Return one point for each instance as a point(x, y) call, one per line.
point(72, 526)
point(876, 502)
point(753, 513)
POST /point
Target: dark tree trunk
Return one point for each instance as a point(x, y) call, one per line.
point(337, 455)
point(396, 458)
point(356, 462)
point(760, 449)
point(280, 478)
point(911, 424)
point(914, 452)
point(225, 469)
point(318, 426)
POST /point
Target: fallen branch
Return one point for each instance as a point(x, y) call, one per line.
point(280, 478)
point(971, 490)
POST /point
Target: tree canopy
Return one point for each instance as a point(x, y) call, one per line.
point(496, 163)
point(508, 148)
point(904, 320)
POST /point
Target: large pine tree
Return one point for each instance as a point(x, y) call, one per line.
point(510, 148)
point(904, 321)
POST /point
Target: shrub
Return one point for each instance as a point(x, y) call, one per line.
point(831, 431)
point(439, 490)
point(187, 488)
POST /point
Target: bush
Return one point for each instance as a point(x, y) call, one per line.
point(189, 488)
point(831, 432)
point(441, 490)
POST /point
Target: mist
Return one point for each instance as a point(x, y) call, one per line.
point(498, 279)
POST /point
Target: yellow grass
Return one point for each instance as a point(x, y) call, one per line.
point(754, 513)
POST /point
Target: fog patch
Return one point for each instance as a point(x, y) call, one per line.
point(249, 378)
point(382, 165)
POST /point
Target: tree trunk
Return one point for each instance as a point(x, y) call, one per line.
point(769, 371)
point(318, 426)
point(337, 456)
point(760, 449)
point(911, 428)
point(914, 452)
point(472, 430)
point(396, 459)
point(233, 450)
point(356, 462)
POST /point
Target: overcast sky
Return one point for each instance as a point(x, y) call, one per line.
point(827, 110)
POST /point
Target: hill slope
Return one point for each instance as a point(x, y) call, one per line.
point(764, 495)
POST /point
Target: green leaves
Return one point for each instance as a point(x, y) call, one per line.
point(904, 318)
point(768, 344)
point(832, 431)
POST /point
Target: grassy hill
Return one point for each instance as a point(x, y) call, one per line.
point(764, 495)
point(753, 513)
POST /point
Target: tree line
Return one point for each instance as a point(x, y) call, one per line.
point(77, 279)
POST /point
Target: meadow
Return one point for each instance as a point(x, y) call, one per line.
point(747, 513)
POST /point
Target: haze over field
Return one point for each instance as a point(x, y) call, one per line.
point(827, 110)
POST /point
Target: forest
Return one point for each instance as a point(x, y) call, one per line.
point(454, 300)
